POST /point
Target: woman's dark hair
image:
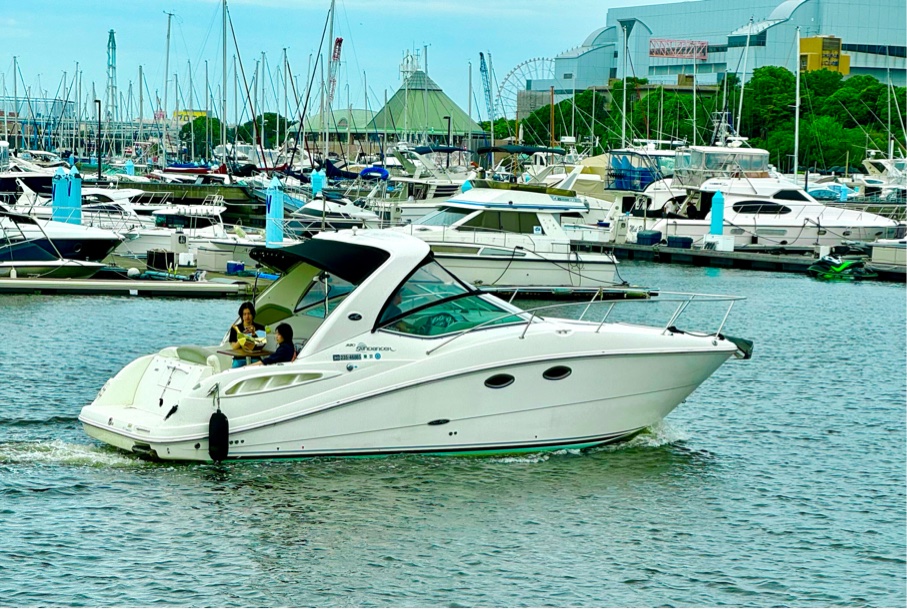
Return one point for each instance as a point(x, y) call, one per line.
point(286, 330)
point(246, 305)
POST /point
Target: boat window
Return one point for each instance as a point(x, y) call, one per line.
point(497, 251)
point(666, 165)
point(753, 162)
point(791, 195)
point(326, 288)
point(508, 221)
point(719, 160)
point(760, 207)
point(174, 221)
point(443, 216)
point(433, 302)
point(454, 249)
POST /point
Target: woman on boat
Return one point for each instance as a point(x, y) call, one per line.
point(247, 327)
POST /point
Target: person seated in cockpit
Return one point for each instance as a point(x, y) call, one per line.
point(286, 351)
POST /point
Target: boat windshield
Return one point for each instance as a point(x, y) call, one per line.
point(443, 216)
point(665, 164)
point(323, 296)
point(433, 302)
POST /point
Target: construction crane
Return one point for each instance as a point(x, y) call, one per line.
point(485, 71)
point(335, 61)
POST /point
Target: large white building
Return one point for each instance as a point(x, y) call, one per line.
point(711, 38)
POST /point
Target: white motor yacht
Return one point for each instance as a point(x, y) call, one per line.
point(330, 214)
point(523, 243)
point(27, 251)
point(400, 356)
point(115, 209)
point(195, 225)
point(760, 210)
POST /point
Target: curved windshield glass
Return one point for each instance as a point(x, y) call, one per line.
point(323, 296)
point(443, 216)
point(434, 302)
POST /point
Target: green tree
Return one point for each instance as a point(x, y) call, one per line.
point(768, 100)
point(268, 134)
point(201, 127)
point(820, 83)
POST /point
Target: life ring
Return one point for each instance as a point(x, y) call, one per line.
point(374, 172)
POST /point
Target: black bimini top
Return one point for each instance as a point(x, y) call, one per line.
point(348, 261)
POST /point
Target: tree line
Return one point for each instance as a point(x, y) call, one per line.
point(839, 119)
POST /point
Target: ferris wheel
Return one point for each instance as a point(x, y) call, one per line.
point(516, 81)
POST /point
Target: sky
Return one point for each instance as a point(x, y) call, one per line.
point(48, 38)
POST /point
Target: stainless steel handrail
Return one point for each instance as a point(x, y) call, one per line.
point(684, 300)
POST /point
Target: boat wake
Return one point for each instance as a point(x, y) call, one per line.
point(62, 453)
point(660, 434)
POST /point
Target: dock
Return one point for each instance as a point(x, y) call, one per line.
point(748, 260)
point(123, 278)
point(127, 287)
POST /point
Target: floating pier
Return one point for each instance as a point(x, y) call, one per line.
point(749, 260)
point(217, 288)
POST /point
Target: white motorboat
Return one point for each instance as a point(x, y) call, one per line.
point(114, 209)
point(330, 214)
point(400, 356)
point(238, 245)
point(522, 243)
point(27, 251)
point(759, 211)
point(193, 225)
point(70, 241)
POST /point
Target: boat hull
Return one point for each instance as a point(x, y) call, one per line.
point(605, 397)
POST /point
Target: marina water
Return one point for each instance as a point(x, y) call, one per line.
point(780, 482)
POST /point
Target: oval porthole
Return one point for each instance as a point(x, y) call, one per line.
point(499, 381)
point(557, 373)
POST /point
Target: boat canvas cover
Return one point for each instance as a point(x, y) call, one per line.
point(332, 171)
point(351, 262)
point(442, 149)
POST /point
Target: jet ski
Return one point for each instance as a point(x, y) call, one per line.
point(836, 268)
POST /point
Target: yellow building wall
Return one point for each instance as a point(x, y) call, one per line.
point(823, 53)
point(188, 115)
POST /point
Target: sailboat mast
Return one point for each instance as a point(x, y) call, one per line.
point(623, 109)
point(141, 102)
point(166, 74)
point(328, 53)
point(746, 49)
point(695, 128)
point(223, 91)
point(207, 115)
point(797, 106)
point(6, 108)
point(191, 117)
